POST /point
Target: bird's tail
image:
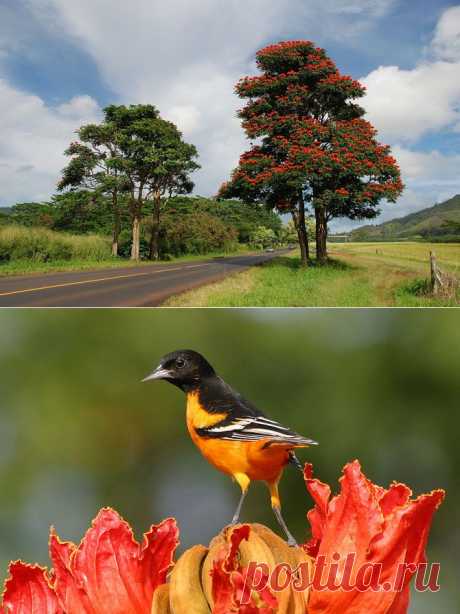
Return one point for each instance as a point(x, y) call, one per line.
point(290, 442)
point(303, 442)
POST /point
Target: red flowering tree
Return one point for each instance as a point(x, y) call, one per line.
point(314, 147)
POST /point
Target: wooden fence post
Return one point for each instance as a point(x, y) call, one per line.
point(435, 276)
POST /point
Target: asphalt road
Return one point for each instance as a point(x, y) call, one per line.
point(143, 286)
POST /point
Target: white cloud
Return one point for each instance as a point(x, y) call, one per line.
point(185, 56)
point(430, 177)
point(446, 41)
point(371, 8)
point(428, 168)
point(407, 104)
point(33, 139)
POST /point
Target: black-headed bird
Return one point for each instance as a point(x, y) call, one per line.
point(231, 433)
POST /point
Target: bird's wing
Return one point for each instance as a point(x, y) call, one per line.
point(254, 428)
point(244, 421)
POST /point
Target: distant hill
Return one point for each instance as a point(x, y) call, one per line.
point(438, 223)
point(5, 210)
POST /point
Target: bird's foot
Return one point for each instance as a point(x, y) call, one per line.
point(235, 520)
point(292, 542)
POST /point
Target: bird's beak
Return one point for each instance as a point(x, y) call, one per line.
point(159, 373)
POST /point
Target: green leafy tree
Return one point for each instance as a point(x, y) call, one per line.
point(173, 164)
point(135, 152)
point(232, 212)
point(96, 164)
point(263, 237)
point(196, 233)
point(288, 232)
point(32, 214)
point(85, 211)
point(154, 161)
point(4, 218)
point(314, 147)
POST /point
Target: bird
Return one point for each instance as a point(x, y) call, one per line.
point(232, 433)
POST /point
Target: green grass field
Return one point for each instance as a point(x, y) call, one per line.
point(359, 275)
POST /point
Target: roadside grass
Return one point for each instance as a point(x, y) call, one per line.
point(44, 245)
point(416, 294)
point(283, 283)
point(31, 267)
point(28, 266)
point(373, 275)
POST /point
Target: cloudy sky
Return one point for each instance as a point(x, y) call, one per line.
point(62, 61)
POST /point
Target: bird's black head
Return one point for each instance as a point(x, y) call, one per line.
point(183, 368)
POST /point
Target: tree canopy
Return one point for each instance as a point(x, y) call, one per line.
point(133, 152)
point(314, 148)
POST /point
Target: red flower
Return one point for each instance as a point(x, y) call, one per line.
point(28, 590)
point(108, 573)
point(228, 580)
point(382, 527)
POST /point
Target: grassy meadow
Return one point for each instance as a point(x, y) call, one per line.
point(358, 275)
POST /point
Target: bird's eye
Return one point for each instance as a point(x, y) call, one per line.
point(180, 363)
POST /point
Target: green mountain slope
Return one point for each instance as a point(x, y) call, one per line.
point(441, 222)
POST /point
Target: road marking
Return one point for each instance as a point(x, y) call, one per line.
point(94, 281)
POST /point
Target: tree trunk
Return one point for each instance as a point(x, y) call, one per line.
point(135, 246)
point(298, 216)
point(116, 223)
point(321, 235)
point(155, 236)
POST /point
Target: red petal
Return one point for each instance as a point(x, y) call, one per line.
point(236, 538)
point(228, 580)
point(404, 541)
point(157, 554)
point(70, 596)
point(109, 572)
point(28, 591)
point(377, 525)
point(317, 516)
point(395, 496)
point(222, 587)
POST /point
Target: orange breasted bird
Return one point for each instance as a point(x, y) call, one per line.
point(230, 432)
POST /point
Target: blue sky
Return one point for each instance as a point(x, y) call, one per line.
point(62, 61)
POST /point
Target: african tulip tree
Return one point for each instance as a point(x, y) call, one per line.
point(314, 147)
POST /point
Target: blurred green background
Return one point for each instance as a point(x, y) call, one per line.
point(79, 431)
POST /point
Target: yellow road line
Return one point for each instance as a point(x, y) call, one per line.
point(94, 281)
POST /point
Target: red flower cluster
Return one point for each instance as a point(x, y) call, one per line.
point(286, 46)
point(380, 526)
point(110, 573)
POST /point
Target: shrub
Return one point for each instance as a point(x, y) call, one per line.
point(196, 233)
point(43, 245)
